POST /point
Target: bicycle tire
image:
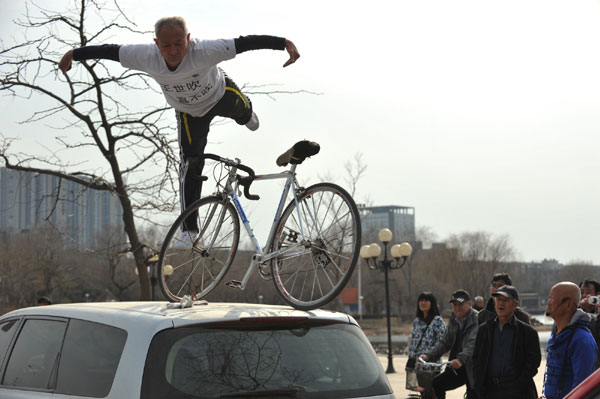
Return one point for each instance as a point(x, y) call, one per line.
point(197, 269)
point(331, 223)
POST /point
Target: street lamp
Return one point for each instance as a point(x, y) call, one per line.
point(400, 253)
point(152, 261)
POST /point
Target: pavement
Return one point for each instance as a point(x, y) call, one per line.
point(398, 379)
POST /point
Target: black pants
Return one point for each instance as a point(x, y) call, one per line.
point(506, 390)
point(193, 135)
point(448, 380)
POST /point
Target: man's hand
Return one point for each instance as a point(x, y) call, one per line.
point(292, 51)
point(455, 364)
point(66, 62)
point(424, 357)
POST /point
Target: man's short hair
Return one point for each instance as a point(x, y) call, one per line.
point(170, 21)
point(589, 281)
point(502, 276)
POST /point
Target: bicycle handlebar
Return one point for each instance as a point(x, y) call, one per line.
point(432, 366)
point(426, 363)
point(245, 181)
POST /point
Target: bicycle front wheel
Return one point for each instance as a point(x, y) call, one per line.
point(318, 242)
point(195, 269)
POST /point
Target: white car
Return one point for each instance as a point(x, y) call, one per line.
point(128, 350)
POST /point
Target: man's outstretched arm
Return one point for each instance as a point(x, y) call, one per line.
point(259, 42)
point(106, 51)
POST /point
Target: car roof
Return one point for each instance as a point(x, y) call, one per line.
point(159, 312)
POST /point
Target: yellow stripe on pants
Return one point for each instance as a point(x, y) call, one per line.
point(239, 94)
point(187, 127)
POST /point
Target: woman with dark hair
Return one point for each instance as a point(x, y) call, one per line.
point(428, 328)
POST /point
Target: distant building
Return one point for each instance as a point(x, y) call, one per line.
point(532, 302)
point(28, 199)
point(399, 219)
point(349, 297)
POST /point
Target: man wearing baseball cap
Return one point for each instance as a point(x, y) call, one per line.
point(459, 339)
point(507, 352)
point(489, 311)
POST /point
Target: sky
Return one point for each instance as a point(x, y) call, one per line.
point(482, 115)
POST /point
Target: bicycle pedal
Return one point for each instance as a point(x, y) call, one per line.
point(234, 284)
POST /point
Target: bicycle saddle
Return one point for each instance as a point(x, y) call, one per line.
point(298, 153)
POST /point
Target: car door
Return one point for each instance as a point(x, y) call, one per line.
point(31, 357)
point(54, 357)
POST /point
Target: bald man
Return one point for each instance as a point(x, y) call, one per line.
point(571, 348)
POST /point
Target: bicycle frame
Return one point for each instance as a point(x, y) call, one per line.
point(231, 191)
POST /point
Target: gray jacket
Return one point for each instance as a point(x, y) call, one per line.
point(468, 342)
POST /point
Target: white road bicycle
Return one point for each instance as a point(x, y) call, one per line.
point(311, 250)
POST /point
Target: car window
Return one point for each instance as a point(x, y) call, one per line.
point(33, 361)
point(327, 361)
point(7, 330)
point(89, 359)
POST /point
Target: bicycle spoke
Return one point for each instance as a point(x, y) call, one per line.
point(186, 281)
point(329, 237)
point(198, 269)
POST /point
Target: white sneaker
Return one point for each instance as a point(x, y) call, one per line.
point(185, 240)
point(253, 122)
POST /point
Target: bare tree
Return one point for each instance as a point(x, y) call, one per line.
point(111, 252)
point(577, 271)
point(132, 143)
point(32, 264)
point(479, 255)
point(355, 171)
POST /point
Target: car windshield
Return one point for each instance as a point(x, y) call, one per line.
point(307, 361)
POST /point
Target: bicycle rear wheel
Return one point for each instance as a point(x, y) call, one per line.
point(196, 269)
point(318, 241)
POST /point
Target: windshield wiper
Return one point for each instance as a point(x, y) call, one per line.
point(280, 392)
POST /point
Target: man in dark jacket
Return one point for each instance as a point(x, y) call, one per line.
point(489, 312)
point(459, 339)
point(590, 289)
point(501, 373)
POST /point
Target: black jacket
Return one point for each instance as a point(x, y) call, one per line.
point(489, 312)
point(595, 329)
point(526, 356)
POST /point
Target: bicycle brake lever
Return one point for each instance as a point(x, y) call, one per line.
point(246, 181)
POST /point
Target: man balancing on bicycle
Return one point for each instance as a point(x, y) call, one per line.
point(186, 70)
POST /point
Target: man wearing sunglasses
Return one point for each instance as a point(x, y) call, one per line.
point(571, 347)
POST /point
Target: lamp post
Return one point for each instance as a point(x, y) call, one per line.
point(400, 253)
point(151, 268)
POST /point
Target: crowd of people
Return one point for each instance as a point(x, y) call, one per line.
point(493, 349)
